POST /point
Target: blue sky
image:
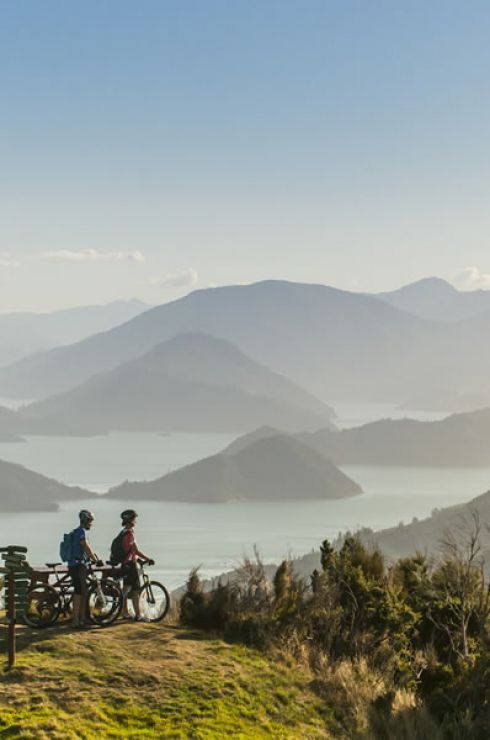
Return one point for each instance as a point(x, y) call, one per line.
point(148, 148)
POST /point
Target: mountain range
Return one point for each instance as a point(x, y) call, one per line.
point(336, 344)
point(192, 383)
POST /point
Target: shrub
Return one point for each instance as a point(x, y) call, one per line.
point(419, 630)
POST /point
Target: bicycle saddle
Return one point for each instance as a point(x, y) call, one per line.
point(52, 565)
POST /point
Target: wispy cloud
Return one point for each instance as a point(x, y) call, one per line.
point(90, 255)
point(6, 260)
point(472, 278)
point(184, 279)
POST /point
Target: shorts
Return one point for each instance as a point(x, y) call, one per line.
point(78, 575)
point(130, 575)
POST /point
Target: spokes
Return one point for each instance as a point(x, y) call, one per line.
point(154, 601)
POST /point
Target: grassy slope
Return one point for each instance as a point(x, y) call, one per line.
point(153, 681)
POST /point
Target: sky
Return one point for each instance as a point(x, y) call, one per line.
point(149, 148)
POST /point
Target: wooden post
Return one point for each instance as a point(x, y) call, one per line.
point(11, 618)
point(15, 561)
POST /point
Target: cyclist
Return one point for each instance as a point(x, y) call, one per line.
point(129, 565)
point(81, 554)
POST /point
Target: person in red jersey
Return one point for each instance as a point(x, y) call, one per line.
point(129, 566)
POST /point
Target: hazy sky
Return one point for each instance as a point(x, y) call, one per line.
point(149, 147)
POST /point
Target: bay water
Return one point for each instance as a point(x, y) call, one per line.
point(180, 536)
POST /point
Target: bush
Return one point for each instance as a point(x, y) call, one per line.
point(419, 630)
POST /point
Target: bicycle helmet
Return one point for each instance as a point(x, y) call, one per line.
point(85, 517)
point(127, 515)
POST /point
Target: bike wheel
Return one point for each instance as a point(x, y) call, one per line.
point(42, 606)
point(154, 601)
point(104, 602)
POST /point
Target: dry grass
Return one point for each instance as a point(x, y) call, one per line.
point(367, 707)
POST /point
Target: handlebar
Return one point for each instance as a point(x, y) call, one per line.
point(141, 561)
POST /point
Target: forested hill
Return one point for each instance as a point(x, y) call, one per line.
point(424, 535)
point(23, 490)
point(427, 535)
point(271, 468)
point(458, 440)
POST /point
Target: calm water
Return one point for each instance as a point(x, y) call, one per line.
point(180, 536)
point(97, 463)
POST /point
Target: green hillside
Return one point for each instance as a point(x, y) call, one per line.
point(153, 681)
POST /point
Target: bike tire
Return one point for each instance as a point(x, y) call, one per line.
point(154, 601)
point(42, 606)
point(107, 612)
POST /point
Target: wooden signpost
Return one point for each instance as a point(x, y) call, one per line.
point(16, 572)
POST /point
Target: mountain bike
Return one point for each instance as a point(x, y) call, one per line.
point(48, 602)
point(154, 599)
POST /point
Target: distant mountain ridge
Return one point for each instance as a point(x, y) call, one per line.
point(271, 468)
point(314, 334)
point(24, 490)
point(338, 345)
point(458, 440)
point(192, 382)
point(426, 535)
point(436, 299)
point(25, 333)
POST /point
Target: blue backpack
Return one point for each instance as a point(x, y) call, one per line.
point(67, 547)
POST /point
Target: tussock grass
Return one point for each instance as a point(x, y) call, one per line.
point(368, 707)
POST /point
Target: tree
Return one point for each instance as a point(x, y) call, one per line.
point(461, 596)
